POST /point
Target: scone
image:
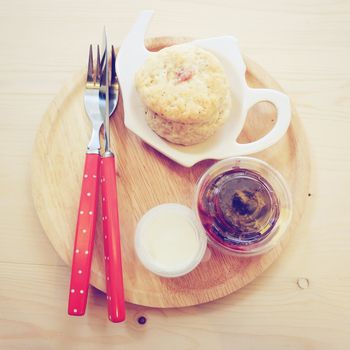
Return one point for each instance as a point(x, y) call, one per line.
point(186, 93)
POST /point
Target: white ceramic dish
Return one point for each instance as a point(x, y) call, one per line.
point(222, 144)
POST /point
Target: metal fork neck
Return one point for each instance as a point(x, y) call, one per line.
point(108, 154)
point(93, 151)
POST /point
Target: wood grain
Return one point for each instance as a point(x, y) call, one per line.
point(146, 179)
point(240, 318)
point(305, 46)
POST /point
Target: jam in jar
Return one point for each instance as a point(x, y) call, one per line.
point(239, 207)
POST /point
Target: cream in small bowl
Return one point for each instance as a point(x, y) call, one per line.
point(168, 240)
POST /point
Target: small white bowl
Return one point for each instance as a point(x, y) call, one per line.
point(169, 240)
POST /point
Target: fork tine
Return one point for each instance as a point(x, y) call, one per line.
point(90, 72)
point(98, 65)
point(113, 72)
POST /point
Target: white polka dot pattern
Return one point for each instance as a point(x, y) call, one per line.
point(84, 240)
point(114, 278)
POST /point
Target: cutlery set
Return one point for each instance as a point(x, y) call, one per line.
point(100, 100)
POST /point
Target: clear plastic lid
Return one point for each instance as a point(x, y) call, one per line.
point(244, 205)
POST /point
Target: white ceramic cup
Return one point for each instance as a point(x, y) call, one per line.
point(223, 143)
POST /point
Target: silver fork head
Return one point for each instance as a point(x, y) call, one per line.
point(91, 100)
point(93, 75)
point(90, 72)
point(114, 93)
point(92, 88)
point(114, 79)
point(91, 96)
point(114, 87)
point(98, 65)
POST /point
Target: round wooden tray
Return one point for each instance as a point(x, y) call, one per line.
point(145, 179)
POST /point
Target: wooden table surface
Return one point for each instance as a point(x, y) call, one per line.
point(302, 301)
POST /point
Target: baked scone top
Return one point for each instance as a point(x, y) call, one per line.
point(183, 83)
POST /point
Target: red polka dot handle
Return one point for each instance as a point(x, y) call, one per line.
point(113, 259)
point(84, 236)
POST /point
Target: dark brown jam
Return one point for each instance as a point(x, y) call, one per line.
point(238, 208)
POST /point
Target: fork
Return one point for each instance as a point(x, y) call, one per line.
point(87, 212)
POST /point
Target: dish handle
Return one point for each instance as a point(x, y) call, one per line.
point(283, 107)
